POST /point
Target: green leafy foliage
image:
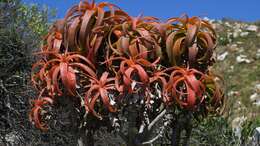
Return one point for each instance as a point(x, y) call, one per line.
point(19, 37)
point(214, 131)
point(35, 17)
point(248, 128)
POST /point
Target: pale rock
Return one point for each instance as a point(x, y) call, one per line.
point(235, 34)
point(242, 59)
point(233, 47)
point(258, 35)
point(244, 25)
point(252, 28)
point(255, 139)
point(257, 103)
point(228, 24)
point(237, 26)
point(257, 87)
point(232, 67)
point(209, 20)
point(230, 40)
point(206, 18)
point(222, 56)
point(236, 125)
point(219, 21)
point(253, 97)
point(214, 26)
point(234, 93)
point(240, 50)
point(229, 34)
point(258, 54)
point(243, 34)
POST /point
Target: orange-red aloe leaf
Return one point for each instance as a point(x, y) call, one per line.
point(191, 97)
point(142, 73)
point(85, 68)
point(187, 86)
point(209, 39)
point(64, 68)
point(55, 80)
point(127, 77)
point(85, 29)
point(100, 13)
point(123, 43)
point(193, 51)
point(169, 44)
point(35, 112)
point(133, 48)
point(191, 33)
point(103, 78)
point(106, 100)
point(192, 29)
point(147, 63)
point(174, 47)
point(74, 56)
point(93, 47)
point(177, 49)
point(99, 88)
point(36, 119)
point(143, 51)
point(159, 76)
point(72, 32)
point(71, 81)
point(92, 106)
point(209, 26)
point(118, 87)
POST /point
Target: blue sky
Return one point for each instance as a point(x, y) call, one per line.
point(246, 10)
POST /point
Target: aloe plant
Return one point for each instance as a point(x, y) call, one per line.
point(62, 67)
point(113, 62)
point(36, 113)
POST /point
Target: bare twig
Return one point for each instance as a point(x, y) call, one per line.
point(162, 129)
point(141, 129)
point(156, 119)
point(152, 140)
point(122, 135)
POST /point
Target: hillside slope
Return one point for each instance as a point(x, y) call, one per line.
point(238, 61)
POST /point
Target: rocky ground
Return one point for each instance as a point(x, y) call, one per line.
point(238, 62)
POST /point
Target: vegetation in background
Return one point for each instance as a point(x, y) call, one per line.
point(21, 30)
point(214, 131)
point(238, 62)
point(36, 18)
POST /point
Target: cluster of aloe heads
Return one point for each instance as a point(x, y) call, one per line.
point(102, 55)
